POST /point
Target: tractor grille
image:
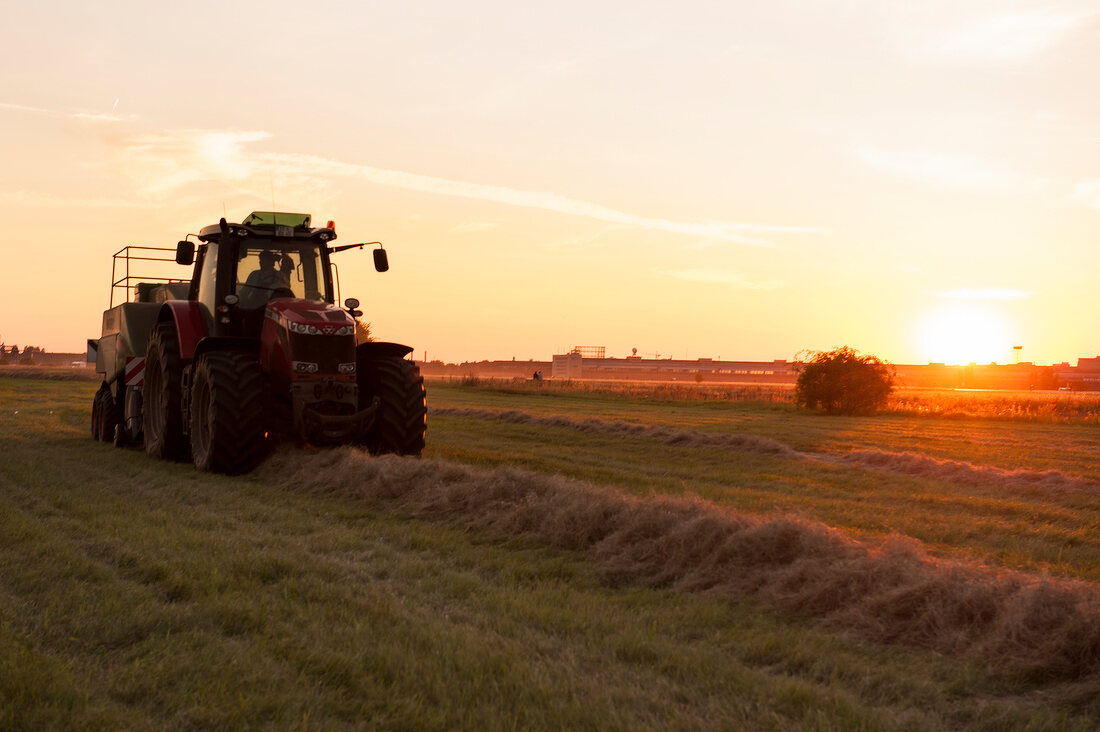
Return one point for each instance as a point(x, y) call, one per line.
point(328, 352)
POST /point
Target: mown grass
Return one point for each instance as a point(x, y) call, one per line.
point(995, 404)
point(1000, 523)
point(1014, 528)
point(1008, 443)
point(138, 594)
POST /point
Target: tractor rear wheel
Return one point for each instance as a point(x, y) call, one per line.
point(228, 424)
point(162, 409)
point(402, 417)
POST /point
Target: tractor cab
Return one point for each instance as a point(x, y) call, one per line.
point(240, 268)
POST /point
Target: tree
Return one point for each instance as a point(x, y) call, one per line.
point(362, 332)
point(842, 381)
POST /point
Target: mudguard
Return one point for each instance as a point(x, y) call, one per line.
point(381, 349)
point(223, 343)
point(190, 324)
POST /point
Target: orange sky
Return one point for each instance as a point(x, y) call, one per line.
point(730, 180)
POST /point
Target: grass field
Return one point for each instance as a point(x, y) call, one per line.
point(561, 558)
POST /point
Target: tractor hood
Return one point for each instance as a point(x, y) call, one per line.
point(309, 317)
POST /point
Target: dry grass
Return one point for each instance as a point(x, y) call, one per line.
point(959, 472)
point(890, 592)
point(1031, 406)
point(665, 435)
point(898, 463)
point(664, 390)
point(50, 373)
point(1005, 405)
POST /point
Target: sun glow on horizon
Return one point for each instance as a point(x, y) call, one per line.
point(962, 333)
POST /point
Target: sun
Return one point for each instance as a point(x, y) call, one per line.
point(962, 333)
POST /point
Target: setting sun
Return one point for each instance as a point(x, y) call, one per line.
point(965, 333)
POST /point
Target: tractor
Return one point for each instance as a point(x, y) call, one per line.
point(250, 349)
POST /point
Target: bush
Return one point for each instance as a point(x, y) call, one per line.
point(843, 382)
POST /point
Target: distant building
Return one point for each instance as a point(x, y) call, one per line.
point(590, 363)
point(575, 365)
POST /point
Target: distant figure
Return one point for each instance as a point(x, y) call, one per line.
point(537, 376)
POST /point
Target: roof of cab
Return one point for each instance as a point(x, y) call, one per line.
point(269, 224)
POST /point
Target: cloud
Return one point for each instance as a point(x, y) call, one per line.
point(163, 162)
point(966, 293)
point(723, 277)
point(83, 116)
point(721, 230)
point(168, 160)
point(98, 117)
point(24, 108)
point(1088, 193)
point(1005, 37)
point(943, 170)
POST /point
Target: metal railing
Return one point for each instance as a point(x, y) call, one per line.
point(128, 279)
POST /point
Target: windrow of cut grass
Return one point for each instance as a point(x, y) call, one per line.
point(960, 472)
point(989, 518)
point(906, 463)
point(661, 433)
point(1034, 445)
point(890, 592)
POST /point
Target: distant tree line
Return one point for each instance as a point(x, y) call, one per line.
point(10, 355)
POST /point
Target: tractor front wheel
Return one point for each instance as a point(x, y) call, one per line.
point(162, 408)
point(402, 417)
point(228, 425)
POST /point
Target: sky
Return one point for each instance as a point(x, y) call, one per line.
point(734, 180)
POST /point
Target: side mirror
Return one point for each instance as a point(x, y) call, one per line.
point(381, 260)
point(185, 252)
point(351, 304)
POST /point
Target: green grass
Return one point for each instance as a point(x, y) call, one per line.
point(141, 594)
point(1020, 443)
point(999, 524)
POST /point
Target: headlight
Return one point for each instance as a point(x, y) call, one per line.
point(346, 368)
point(304, 367)
point(304, 328)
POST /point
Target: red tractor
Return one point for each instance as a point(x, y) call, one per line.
point(252, 347)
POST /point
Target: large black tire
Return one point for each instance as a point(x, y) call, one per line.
point(105, 415)
point(97, 404)
point(402, 417)
point(228, 422)
point(162, 408)
point(129, 420)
